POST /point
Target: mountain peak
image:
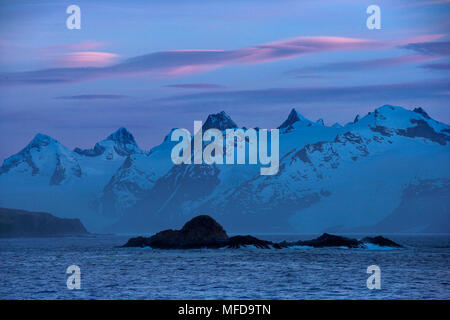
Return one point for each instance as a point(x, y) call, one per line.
point(293, 117)
point(399, 113)
point(220, 121)
point(419, 110)
point(122, 135)
point(41, 139)
point(389, 109)
point(121, 141)
point(49, 147)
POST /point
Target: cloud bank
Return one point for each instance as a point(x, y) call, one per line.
point(181, 62)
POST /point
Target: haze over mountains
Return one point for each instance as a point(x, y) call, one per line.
point(384, 172)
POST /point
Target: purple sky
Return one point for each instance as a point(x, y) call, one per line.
point(154, 65)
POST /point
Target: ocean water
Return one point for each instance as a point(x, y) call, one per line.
point(36, 269)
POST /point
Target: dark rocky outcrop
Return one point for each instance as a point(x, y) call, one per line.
point(238, 241)
point(204, 232)
point(138, 242)
point(21, 223)
point(200, 232)
point(381, 241)
point(329, 240)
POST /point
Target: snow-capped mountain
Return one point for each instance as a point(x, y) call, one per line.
point(330, 178)
point(386, 171)
point(295, 118)
point(44, 157)
point(47, 176)
point(121, 143)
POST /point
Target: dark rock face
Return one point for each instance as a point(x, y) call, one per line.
point(20, 223)
point(302, 155)
point(124, 142)
point(381, 241)
point(423, 130)
point(123, 136)
point(204, 232)
point(59, 174)
point(422, 112)
point(220, 121)
point(329, 240)
point(382, 130)
point(292, 118)
point(96, 151)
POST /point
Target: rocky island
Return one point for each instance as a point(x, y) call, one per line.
point(21, 223)
point(204, 232)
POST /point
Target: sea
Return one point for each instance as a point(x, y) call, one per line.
point(36, 268)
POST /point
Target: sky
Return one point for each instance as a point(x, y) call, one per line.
point(155, 65)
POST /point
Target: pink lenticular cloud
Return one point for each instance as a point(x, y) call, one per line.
point(198, 60)
point(86, 59)
point(178, 63)
point(189, 69)
point(289, 48)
